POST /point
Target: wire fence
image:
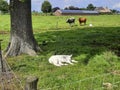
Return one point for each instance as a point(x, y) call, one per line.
point(8, 79)
point(109, 81)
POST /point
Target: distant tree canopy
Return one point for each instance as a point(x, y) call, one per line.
point(90, 7)
point(71, 8)
point(46, 7)
point(4, 7)
point(115, 11)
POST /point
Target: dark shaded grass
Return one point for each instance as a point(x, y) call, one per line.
point(90, 41)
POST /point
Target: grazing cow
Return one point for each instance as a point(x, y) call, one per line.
point(71, 21)
point(82, 20)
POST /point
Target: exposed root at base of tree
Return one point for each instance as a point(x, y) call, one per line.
point(18, 46)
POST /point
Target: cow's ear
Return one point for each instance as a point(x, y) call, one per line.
point(71, 55)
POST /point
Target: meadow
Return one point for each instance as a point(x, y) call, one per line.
point(96, 48)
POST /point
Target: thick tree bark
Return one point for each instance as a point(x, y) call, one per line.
point(22, 39)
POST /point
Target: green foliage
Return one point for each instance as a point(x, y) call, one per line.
point(46, 7)
point(4, 7)
point(115, 11)
point(71, 8)
point(91, 7)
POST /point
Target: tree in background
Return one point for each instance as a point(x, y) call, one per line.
point(90, 7)
point(71, 8)
point(115, 11)
point(46, 7)
point(21, 34)
point(4, 7)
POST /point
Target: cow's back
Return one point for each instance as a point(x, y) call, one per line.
point(82, 19)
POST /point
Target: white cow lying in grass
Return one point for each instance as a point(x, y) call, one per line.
point(59, 60)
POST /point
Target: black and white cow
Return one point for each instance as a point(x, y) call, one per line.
point(71, 21)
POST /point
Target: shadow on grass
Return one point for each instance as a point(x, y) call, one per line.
point(89, 41)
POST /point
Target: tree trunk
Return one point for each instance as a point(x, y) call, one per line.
point(1, 61)
point(22, 39)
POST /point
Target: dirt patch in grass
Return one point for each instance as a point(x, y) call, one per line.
point(3, 32)
point(116, 72)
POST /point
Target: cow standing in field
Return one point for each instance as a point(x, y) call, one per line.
point(71, 21)
point(82, 20)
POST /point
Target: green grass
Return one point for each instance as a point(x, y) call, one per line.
point(43, 23)
point(5, 22)
point(97, 50)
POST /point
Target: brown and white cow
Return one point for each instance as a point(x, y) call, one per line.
point(82, 20)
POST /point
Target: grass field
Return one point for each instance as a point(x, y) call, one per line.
point(97, 50)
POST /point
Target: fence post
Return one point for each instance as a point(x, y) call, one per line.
point(31, 83)
point(1, 61)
